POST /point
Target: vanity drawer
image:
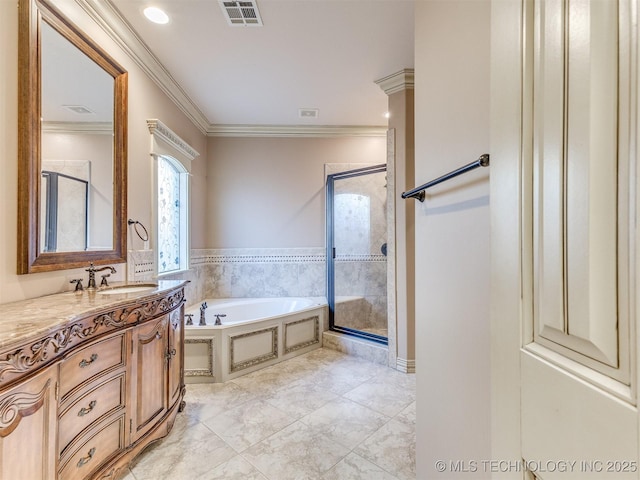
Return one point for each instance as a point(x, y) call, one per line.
point(101, 400)
point(93, 452)
point(90, 361)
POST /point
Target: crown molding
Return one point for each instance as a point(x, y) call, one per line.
point(397, 82)
point(97, 128)
point(105, 14)
point(160, 130)
point(295, 131)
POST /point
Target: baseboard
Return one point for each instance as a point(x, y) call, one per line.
point(405, 366)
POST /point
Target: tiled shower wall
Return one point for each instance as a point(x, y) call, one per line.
point(361, 291)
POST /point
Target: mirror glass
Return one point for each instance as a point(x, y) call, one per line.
point(77, 144)
point(72, 146)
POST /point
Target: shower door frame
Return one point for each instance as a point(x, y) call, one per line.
point(331, 251)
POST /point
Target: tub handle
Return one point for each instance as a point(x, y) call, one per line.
point(218, 315)
point(189, 318)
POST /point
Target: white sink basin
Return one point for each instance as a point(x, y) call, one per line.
point(133, 288)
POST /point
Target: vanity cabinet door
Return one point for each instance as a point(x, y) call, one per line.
point(176, 355)
point(149, 375)
point(28, 415)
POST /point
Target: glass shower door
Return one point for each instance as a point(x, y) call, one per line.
point(356, 252)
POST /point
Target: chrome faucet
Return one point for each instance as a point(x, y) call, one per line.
point(203, 307)
point(92, 275)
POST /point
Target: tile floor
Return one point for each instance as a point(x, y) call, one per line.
point(320, 416)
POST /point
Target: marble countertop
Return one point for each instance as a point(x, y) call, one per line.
point(26, 319)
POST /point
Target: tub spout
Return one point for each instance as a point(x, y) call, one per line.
point(203, 321)
point(218, 315)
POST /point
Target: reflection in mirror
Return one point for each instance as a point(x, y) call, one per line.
point(64, 207)
point(72, 146)
point(77, 128)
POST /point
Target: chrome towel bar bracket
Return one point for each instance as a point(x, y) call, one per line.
point(418, 192)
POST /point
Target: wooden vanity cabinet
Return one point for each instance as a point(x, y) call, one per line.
point(112, 383)
point(149, 375)
point(176, 358)
point(28, 426)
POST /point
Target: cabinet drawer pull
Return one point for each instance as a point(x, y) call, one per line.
point(85, 460)
point(170, 354)
point(83, 411)
point(158, 335)
point(86, 363)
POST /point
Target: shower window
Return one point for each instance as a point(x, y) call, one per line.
point(356, 252)
point(172, 198)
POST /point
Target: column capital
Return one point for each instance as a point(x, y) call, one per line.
point(396, 82)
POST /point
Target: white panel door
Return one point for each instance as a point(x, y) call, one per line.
point(580, 176)
point(576, 228)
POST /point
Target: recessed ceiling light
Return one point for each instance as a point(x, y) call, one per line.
point(156, 15)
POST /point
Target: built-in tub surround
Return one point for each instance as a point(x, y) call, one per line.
point(255, 333)
point(274, 272)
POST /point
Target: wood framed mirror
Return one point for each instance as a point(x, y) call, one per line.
point(72, 146)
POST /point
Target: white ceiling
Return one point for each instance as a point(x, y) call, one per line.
point(323, 54)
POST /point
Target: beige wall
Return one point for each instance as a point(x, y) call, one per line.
point(269, 192)
point(145, 101)
point(452, 237)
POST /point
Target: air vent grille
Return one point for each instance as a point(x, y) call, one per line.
point(79, 109)
point(308, 113)
point(241, 13)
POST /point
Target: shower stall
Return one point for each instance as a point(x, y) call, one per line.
point(356, 252)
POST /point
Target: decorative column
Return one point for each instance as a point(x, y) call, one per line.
point(400, 215)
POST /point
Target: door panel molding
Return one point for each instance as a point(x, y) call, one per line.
point(580, 56)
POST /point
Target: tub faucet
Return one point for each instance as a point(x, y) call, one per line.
point(203, 307)
point(92, 275)
point(218, 315)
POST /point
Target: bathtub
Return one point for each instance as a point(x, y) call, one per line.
point(255, 333)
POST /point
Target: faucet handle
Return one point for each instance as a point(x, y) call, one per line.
point(78, 282)
point(103, 282)
point(189, 318)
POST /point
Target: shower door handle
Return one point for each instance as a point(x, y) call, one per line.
point(333, 252)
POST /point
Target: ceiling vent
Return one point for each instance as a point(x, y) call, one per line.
point(79, 109)
point(308, 113)
point(241, 13)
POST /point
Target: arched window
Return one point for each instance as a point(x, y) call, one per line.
point(172, 208)
point(172, 158)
